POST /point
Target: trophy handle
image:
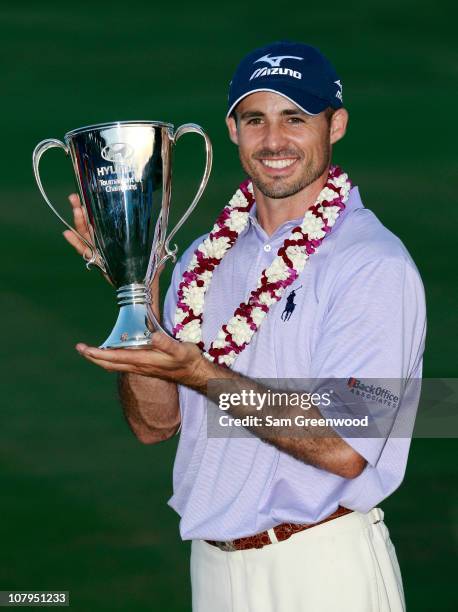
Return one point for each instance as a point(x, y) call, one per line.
point(94, 259)
point(170, 253)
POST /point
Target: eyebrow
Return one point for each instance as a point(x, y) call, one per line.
point(287, 112)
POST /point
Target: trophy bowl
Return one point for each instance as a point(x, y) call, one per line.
point(123, 172)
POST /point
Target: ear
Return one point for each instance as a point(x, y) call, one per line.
point(339, 121)
point(232, 129)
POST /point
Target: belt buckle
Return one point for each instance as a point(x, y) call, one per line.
point(226, 546)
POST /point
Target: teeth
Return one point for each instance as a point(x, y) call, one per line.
point(278, 163)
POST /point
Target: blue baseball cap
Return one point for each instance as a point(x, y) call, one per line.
point(296, 71)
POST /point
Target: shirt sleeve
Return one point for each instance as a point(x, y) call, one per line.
point(372, 336)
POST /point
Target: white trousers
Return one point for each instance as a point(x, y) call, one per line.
point(346, 565)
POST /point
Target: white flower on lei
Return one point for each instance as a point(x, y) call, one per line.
point(339, 181)
point(228, 359)
point(298, 256)
point(220, 340)
point(215, 248)
point(206, 277)
point(193, 263)
point(180, 315)
point(330, 213)
point(266, 298)
point(258, 314)
point(240, 330)
point(277, 270)
point(193, 296)
point(296, 236)
point(327, 194)
point(237, 221)
point(238, 199)
point(191, 332)
point(313, 226)
point(345, 190)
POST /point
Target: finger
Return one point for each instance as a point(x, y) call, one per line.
point(74, 200)
point(74, 241)
point(80, 222)
point(78, 215)
point(112, 367)
point(87, 351)
point(77, 244)
point(145, 362)
point(163, 342)
point(132, 368)
point(137, 357)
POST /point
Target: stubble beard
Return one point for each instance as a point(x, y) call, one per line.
point(279, 188)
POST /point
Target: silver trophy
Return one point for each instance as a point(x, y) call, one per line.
point(124, 174)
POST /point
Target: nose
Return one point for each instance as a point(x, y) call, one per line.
point(274, 137)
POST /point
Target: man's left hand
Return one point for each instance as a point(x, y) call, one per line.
point(165, 358)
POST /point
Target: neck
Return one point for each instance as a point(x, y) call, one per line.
point(273, 212)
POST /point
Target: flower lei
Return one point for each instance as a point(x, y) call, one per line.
point(235, 335)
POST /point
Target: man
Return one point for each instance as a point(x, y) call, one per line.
point(283, 522)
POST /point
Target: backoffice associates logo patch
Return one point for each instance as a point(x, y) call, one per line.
point(372, 391)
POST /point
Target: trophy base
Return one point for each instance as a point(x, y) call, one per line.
point(131, 328)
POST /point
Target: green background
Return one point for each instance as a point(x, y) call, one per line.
point(83, 504)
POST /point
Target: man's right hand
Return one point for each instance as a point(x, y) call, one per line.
point(82, 228)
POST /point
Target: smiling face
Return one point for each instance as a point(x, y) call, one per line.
point(282, 148)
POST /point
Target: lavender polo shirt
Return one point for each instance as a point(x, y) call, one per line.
point(360, 313)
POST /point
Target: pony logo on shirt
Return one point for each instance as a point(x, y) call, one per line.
point(290, 305)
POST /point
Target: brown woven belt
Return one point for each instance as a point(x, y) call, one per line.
point(282, 532)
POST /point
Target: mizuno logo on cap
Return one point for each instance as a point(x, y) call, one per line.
point(275, 68)
point(277, 60)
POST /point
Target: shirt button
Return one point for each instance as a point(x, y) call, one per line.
point(267, 248)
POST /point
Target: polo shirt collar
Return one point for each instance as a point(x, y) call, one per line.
point(353, 203)
point(287, 226)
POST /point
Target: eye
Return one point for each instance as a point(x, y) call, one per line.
point(254, 121)
point(295, 120)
